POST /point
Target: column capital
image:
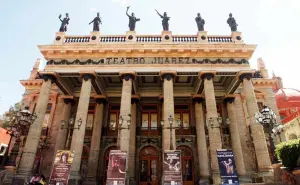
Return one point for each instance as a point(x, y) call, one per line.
point(228, 99)
point(207, 75)
point(87, 76)
point(68, 99)
point(198, 99)
point(161, 98)
point(127, 75)
point(169, 75)
point(245, 75)
point(47, 77)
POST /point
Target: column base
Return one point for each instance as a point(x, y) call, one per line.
point(216, 178)
point(20, 177)
point(132, 181)
point(10, 171)
point(74, 179)
point(245, 179)
point(90, 180)
point(203, 181)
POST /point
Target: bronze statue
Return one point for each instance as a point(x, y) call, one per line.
point(165, 20)
point(64, 23)
point(97, 21)
point(232, 23)
point(132, 20)
point(200, 22)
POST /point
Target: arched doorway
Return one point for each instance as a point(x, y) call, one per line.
point(187, 165)
point(148, 172)
point(105, 163)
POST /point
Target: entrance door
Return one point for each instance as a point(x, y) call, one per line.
point(148, 166)
point(187, 165)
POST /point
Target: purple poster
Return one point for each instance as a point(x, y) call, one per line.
point(116, 173)
point(172, 167)
point(227, 167)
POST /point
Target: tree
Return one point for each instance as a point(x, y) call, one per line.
point(8, 116)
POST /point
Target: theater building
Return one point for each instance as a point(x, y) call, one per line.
point(124, 91)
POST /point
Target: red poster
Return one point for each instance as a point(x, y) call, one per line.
point(61, 167)
point(116, 173)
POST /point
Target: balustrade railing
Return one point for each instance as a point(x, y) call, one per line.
point(113, 39)
point(185, 39)
point(219, 39)
point(148, 39)
point(73, 39)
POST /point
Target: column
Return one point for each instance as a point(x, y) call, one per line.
point(95, 144)
point(235, 137)
point(168, 110)
point(125, 111)
point(257, 132)
point(78, 133)
point(63, 132)
point(270, 101)
point(131, 157)
point(32, 141)
point(213, 131)
point(201, 139)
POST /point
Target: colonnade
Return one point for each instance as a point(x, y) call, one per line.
point(127, 113)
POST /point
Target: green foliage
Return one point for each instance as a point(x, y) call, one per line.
point(8, 116)
point(289, 152)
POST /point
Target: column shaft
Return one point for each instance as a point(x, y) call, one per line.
point(213, 132)
point(131, 158)
point(34, 134)
point(235, 139)
point(270, 101)
point(201, 141)
point(78, 134)
point(125, 113)
point(63, 133)
point(168, 111)
point(257, 132)
point(95, 144)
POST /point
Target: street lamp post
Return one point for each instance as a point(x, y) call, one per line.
point(170, 119)
point(21, 121)
point(70, 124)
point(267, 117)
point(211, 122)
point(121, 122)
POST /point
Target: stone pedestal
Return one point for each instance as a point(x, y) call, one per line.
point(166, 36)
point(95, 144)
point(59, 38)
point(237, 37)
point(78, 134)
point(213, 131)
point(95, 37)
point(235, 137)
point(130, 36)
point(202, 37)
point(168, 110)
point(29, 152)
point(201, 140)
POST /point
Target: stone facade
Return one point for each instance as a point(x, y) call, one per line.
point(122, 88)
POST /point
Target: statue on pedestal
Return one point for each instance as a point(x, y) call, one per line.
point(200, 22)
point(64, 23)
point(132, 20)
point(232, 23)
point(97, 21)
point(165, 20)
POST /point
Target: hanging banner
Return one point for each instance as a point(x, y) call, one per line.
point(116, 172)
point(61, 167)
point(227, 167)
point(172, 167)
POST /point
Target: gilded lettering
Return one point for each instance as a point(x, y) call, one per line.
point(167, 60)
point(187, 60)
point(180, 60)
point(142, 60)
point(173, 60)
point(108, 60)
point(135, 60)
point(115, 60)
point(128, 60)
point(122, 61)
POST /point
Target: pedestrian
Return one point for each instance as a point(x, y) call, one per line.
point(36, 178)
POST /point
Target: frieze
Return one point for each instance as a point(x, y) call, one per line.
point(146, 60)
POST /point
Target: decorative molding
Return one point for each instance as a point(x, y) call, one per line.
point(69, 100)
point(247, 76)
point(168, 76)
point(109, 61)
point(87, 77)
point(100, 100)
point(127, 76)
point(47, 77)
point(229, 99)
point(198, 99)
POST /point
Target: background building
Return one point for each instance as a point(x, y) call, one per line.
point(122, 92)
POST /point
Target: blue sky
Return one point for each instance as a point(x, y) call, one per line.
point(274, 25)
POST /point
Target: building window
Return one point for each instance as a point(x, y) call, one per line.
point(149, 117)
point(182, 116)
point(114, 117)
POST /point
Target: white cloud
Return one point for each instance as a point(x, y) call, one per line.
point(93, 9)
point(121, 2)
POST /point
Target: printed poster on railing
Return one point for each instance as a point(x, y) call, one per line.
point(116, 172)
point(227, 167)
point(172, 167)
point(61, 167)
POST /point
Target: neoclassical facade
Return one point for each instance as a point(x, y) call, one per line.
point(124, 89)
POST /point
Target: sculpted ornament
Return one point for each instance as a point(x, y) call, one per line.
point(232, 23)
point(165, 20)
point(132, 20)
point(200, 22)
point(64, 23)
point(96, 22)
